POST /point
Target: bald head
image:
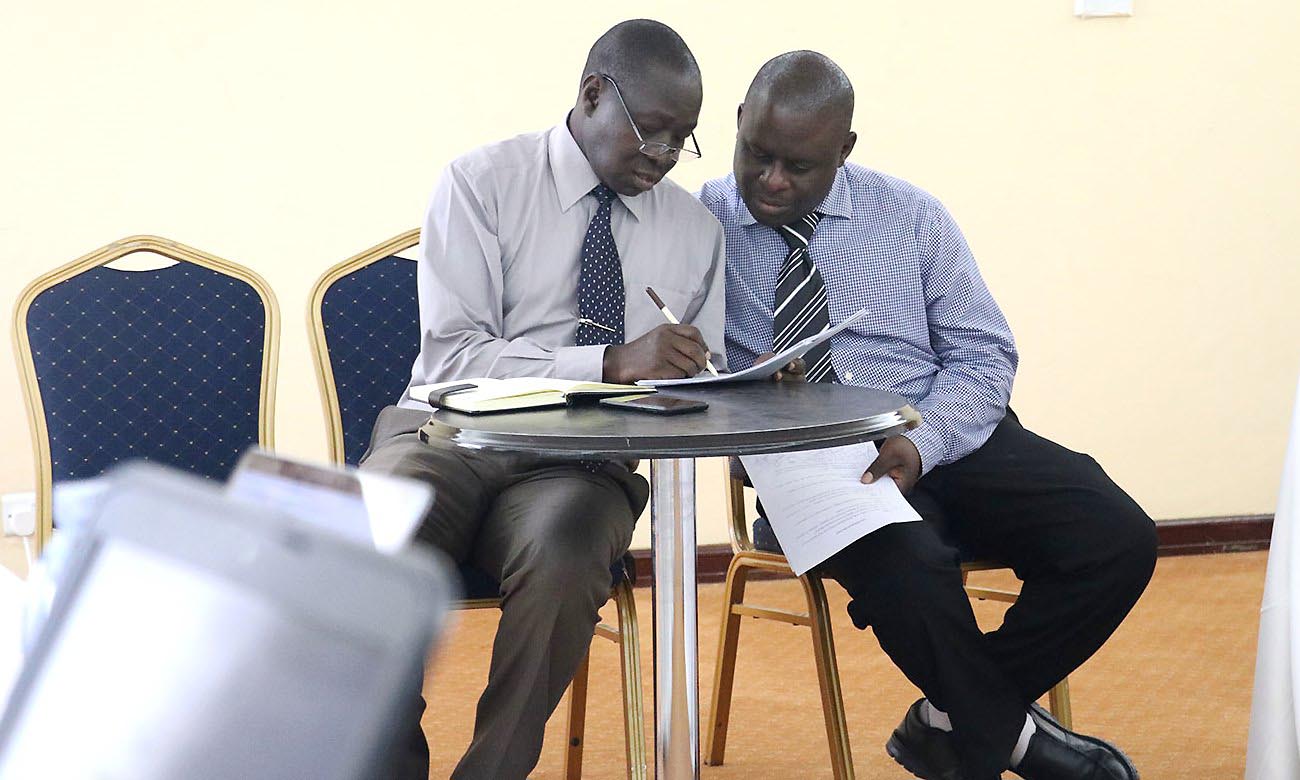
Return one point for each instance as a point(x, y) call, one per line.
point(804, 82)
point(633, 50)
point(793, 133)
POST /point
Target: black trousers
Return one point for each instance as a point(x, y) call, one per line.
point(1084, 550)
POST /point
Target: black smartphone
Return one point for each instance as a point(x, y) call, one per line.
point(655, 404)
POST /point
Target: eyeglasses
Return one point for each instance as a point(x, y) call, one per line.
point(653, 148)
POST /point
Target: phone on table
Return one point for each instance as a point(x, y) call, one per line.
point(655, 404)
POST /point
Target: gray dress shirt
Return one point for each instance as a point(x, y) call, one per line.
point(500, 257)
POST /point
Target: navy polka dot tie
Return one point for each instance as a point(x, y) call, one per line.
point(600, 287)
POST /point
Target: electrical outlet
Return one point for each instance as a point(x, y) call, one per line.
point(19, 512)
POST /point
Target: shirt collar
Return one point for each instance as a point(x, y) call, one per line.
point(837, 203)
point(573, 175)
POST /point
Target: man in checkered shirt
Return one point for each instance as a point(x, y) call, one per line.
point(984, 485)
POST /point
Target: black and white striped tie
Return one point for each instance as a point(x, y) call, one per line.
point(800, 306)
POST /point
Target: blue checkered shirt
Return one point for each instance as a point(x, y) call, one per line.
point(933, 333)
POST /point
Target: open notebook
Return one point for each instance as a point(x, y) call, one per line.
point(480, 395)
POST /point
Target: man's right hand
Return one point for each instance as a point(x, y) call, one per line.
point(794, 371)
point(667, 352)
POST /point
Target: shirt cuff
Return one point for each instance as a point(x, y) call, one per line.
point(929, 442)
point(585, 364)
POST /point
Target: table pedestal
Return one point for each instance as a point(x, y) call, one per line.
point(676, 644)
point(746, 418)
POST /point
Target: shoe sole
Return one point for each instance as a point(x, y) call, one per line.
point(908, 760)
point(1101, 743)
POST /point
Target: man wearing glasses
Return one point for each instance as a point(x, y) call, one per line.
point(529, 256)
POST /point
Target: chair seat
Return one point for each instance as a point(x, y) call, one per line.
point(479, 585)
point(765, 538)
point(817, 618)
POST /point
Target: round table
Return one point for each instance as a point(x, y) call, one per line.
point(742, 419)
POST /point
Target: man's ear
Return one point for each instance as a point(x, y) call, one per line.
point(740, 111)
point(847, 149)
point(589, 93)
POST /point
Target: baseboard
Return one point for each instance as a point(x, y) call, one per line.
point(1189, 536)
point(1201, 535)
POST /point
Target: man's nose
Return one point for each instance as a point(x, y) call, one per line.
point(774, 178)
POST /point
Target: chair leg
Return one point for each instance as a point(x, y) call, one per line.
point(724, 675)
point(828, 677)
point(630, 659)
point(1058, 701)
point(575, 731)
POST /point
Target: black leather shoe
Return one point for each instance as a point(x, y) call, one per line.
point(923, 750)
point(1056, 753)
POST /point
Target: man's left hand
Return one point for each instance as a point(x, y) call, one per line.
point(794, 371)
point(898, 459)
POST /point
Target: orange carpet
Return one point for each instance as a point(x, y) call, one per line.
point(1172, 687)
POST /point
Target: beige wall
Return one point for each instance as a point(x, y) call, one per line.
point(1129, 186)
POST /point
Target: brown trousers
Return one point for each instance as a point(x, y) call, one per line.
point(548, 530)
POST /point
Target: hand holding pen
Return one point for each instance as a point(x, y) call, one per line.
point(670, 351)
point(672, 319)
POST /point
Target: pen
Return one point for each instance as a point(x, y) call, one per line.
point(669, 316)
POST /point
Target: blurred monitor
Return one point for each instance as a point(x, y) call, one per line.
point(197, 636)
point(369, 508)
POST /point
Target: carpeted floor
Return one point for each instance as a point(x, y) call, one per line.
point(1172, 687)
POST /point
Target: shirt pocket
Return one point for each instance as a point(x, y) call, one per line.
point(678, 301)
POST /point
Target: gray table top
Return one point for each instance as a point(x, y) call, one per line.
point(742, 419)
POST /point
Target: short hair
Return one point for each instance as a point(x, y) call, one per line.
point(804, 80)
point(628, 50)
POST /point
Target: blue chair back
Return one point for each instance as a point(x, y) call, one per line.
point(370, 320)
point(173, 365)
point(365, 319)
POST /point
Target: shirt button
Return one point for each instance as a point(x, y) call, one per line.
point(848, 376)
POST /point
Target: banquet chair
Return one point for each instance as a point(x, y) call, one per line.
point(144, 349)
point(762, 554)
point(364, 324)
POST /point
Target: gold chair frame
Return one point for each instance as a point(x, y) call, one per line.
point(172, 250)
point(625, 635)
point(329, 394)
point(746, 559)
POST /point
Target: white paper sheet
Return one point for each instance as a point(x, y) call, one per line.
point(767, 367)
point(817, 503)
